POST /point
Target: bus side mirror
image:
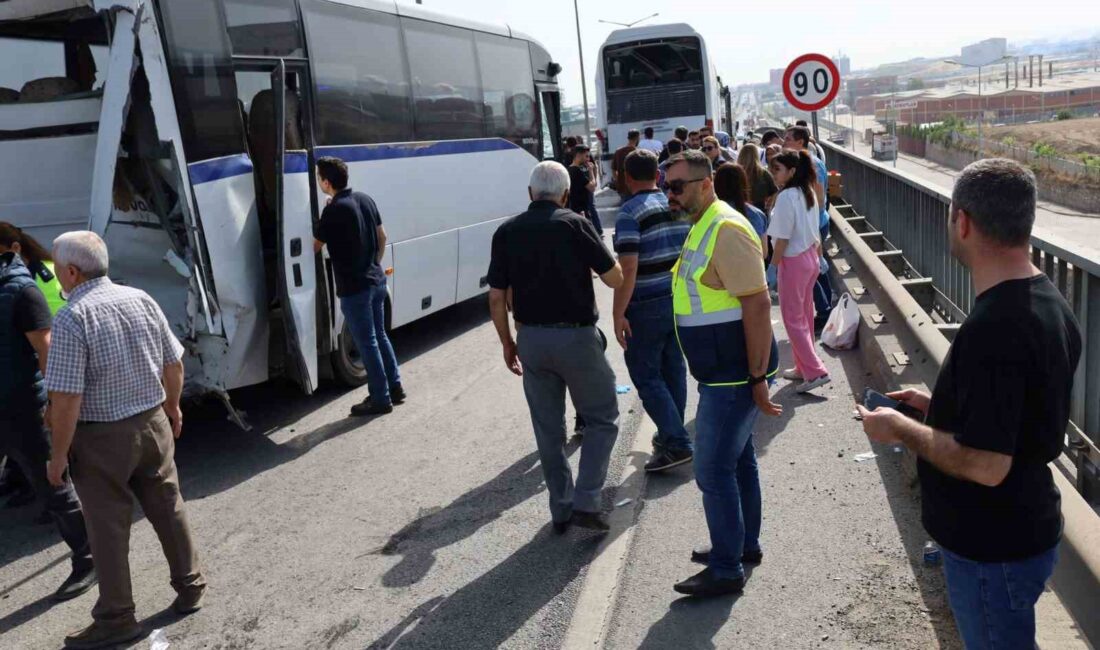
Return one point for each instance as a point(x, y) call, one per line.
point(553, 69)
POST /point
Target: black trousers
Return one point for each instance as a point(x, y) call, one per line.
point(23, 438)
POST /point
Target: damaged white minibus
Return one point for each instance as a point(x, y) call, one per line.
point(185, 132)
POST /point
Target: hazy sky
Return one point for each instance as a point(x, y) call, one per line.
point(748, 39)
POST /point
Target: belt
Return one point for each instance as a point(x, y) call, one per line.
point(558, 326)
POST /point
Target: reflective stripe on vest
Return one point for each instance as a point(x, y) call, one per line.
point(694, 303)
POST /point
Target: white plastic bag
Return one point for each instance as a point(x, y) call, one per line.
point(843, 326)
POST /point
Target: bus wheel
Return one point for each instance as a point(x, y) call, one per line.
point(347, 365)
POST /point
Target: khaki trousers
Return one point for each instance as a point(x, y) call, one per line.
point(113, 463)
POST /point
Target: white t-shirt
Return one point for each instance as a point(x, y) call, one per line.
point(652, 145)
point(791, 220)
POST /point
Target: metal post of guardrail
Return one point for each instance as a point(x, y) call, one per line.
point(912, 217)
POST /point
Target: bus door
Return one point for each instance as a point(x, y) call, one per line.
point(550, 118)
point(295, 261)
point(273, 103)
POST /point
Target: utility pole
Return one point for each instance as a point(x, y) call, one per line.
point(584, 84)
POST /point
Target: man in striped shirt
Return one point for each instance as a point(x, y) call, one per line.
point(648, 240)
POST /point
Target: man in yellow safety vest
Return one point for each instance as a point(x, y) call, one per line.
point(723, 323)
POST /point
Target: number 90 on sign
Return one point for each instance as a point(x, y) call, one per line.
point(811, 82)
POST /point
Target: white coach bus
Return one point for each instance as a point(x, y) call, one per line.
point(186, 132)
point(656, 76)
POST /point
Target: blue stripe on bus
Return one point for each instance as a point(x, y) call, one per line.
point(296, 163)
point(370, 152)
point(219, 168)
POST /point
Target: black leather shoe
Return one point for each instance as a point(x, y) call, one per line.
point(667, 459)
point(561, 527)
point(592, 520)
point(397, 394)
point(705, 585)
point(79, 581)
point(368, 407)
point(748, 557)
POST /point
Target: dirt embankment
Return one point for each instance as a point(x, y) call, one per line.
point(1067, 136)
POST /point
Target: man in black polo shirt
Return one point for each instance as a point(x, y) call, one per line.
point(352, 228)
point(546, 257)
point(997, 416)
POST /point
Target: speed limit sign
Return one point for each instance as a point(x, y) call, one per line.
point(811, 82)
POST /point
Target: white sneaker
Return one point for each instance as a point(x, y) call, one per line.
point(792, 374)
point(807, 386)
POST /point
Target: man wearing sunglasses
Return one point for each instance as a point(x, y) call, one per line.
point(723, 322)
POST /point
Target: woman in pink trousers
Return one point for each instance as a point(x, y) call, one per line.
point(795, 236)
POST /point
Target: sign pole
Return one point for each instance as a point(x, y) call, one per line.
point(813, 120)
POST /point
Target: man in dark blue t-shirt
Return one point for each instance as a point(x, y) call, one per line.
point(352, 229)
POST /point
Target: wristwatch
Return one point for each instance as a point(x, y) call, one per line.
point(757, 380)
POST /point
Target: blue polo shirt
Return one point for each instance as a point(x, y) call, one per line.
point(646, 228)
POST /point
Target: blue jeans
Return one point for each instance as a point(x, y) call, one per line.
point(994, 602)
point(726, 472)
point(365, 313)
point(658, 370)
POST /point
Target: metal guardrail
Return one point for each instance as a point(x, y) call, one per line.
point(912, 217)
point(1077, 575)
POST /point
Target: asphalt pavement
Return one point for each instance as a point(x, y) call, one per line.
point(426, 528)
point(842, 541)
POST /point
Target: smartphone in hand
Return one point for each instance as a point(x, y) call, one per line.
point(872, 399)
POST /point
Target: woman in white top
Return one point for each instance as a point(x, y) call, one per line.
point(795, 237)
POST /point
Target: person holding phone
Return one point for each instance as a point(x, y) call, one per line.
point(996, 417)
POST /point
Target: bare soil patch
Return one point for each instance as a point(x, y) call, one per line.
point(1067, 136)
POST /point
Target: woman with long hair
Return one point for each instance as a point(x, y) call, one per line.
point(794, 234)
point(731, 184)
point(761, 184)
point(37, 259)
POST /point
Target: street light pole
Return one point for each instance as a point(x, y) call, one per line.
point(981, 112)
point(584, 85)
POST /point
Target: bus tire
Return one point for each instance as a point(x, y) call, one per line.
point(347, 367)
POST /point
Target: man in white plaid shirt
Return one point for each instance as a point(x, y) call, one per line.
point(115, 375)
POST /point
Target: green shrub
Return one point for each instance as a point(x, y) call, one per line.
point(1064, 115)
point(1044, 149)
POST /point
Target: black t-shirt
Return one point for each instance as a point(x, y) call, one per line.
point(1005, 387)
point(578, 190)
point(32, 312)
point(546, 256)
point(349, 226)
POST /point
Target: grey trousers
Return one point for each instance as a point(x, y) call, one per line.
point(553, 360)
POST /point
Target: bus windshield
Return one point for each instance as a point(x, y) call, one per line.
point(653, 63)
point(654, 79)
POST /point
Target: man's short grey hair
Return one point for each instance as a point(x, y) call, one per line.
point(999, 195)
point(549, 181)
point(83, 249)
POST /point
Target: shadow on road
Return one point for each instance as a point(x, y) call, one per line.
point(214, 455)
point(691, 623)
point(418, 541)
point(486, 613)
